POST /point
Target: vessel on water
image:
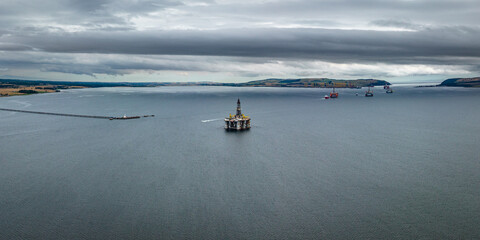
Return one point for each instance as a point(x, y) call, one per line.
point(389, 90)
point(326, 97)
point(334, 94)
point(369, 93)
point(237, 122)
point(124, 117)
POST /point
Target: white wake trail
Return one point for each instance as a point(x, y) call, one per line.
point(211, 120)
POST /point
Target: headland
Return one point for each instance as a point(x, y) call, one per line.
point(10, 87)
point(461, 82)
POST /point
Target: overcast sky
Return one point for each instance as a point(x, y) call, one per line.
point(237, 41)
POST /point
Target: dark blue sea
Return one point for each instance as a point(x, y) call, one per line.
point(395, 166)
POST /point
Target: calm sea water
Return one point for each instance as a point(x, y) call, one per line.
point(403, 165)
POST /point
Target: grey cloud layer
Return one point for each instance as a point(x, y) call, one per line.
point(321, 44)
point(80, 11)
point(45, 34)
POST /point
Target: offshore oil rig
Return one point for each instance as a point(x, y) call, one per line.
point(239, 121)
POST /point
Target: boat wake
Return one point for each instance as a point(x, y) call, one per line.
point(211, 120)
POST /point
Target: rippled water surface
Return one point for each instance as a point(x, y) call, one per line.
point(403, 165)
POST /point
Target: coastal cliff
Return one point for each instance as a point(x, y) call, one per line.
point(461, 82)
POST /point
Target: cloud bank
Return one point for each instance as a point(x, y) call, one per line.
point(239, 41)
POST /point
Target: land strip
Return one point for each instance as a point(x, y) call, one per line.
point(19, 87)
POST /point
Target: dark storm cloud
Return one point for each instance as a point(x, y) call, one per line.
point(321, 44)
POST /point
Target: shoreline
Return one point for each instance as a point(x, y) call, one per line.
point(10, 90)
point(21, 91)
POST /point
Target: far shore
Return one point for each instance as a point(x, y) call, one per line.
point(8, 90)
point(16, 87)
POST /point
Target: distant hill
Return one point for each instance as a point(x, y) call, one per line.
point(315, 82)
point(461, 82)
point(273, 82)
point(81, 84)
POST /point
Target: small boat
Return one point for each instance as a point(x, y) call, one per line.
point(369, 93)
point(326, 97)
point(389, 90)
point(334, 94)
